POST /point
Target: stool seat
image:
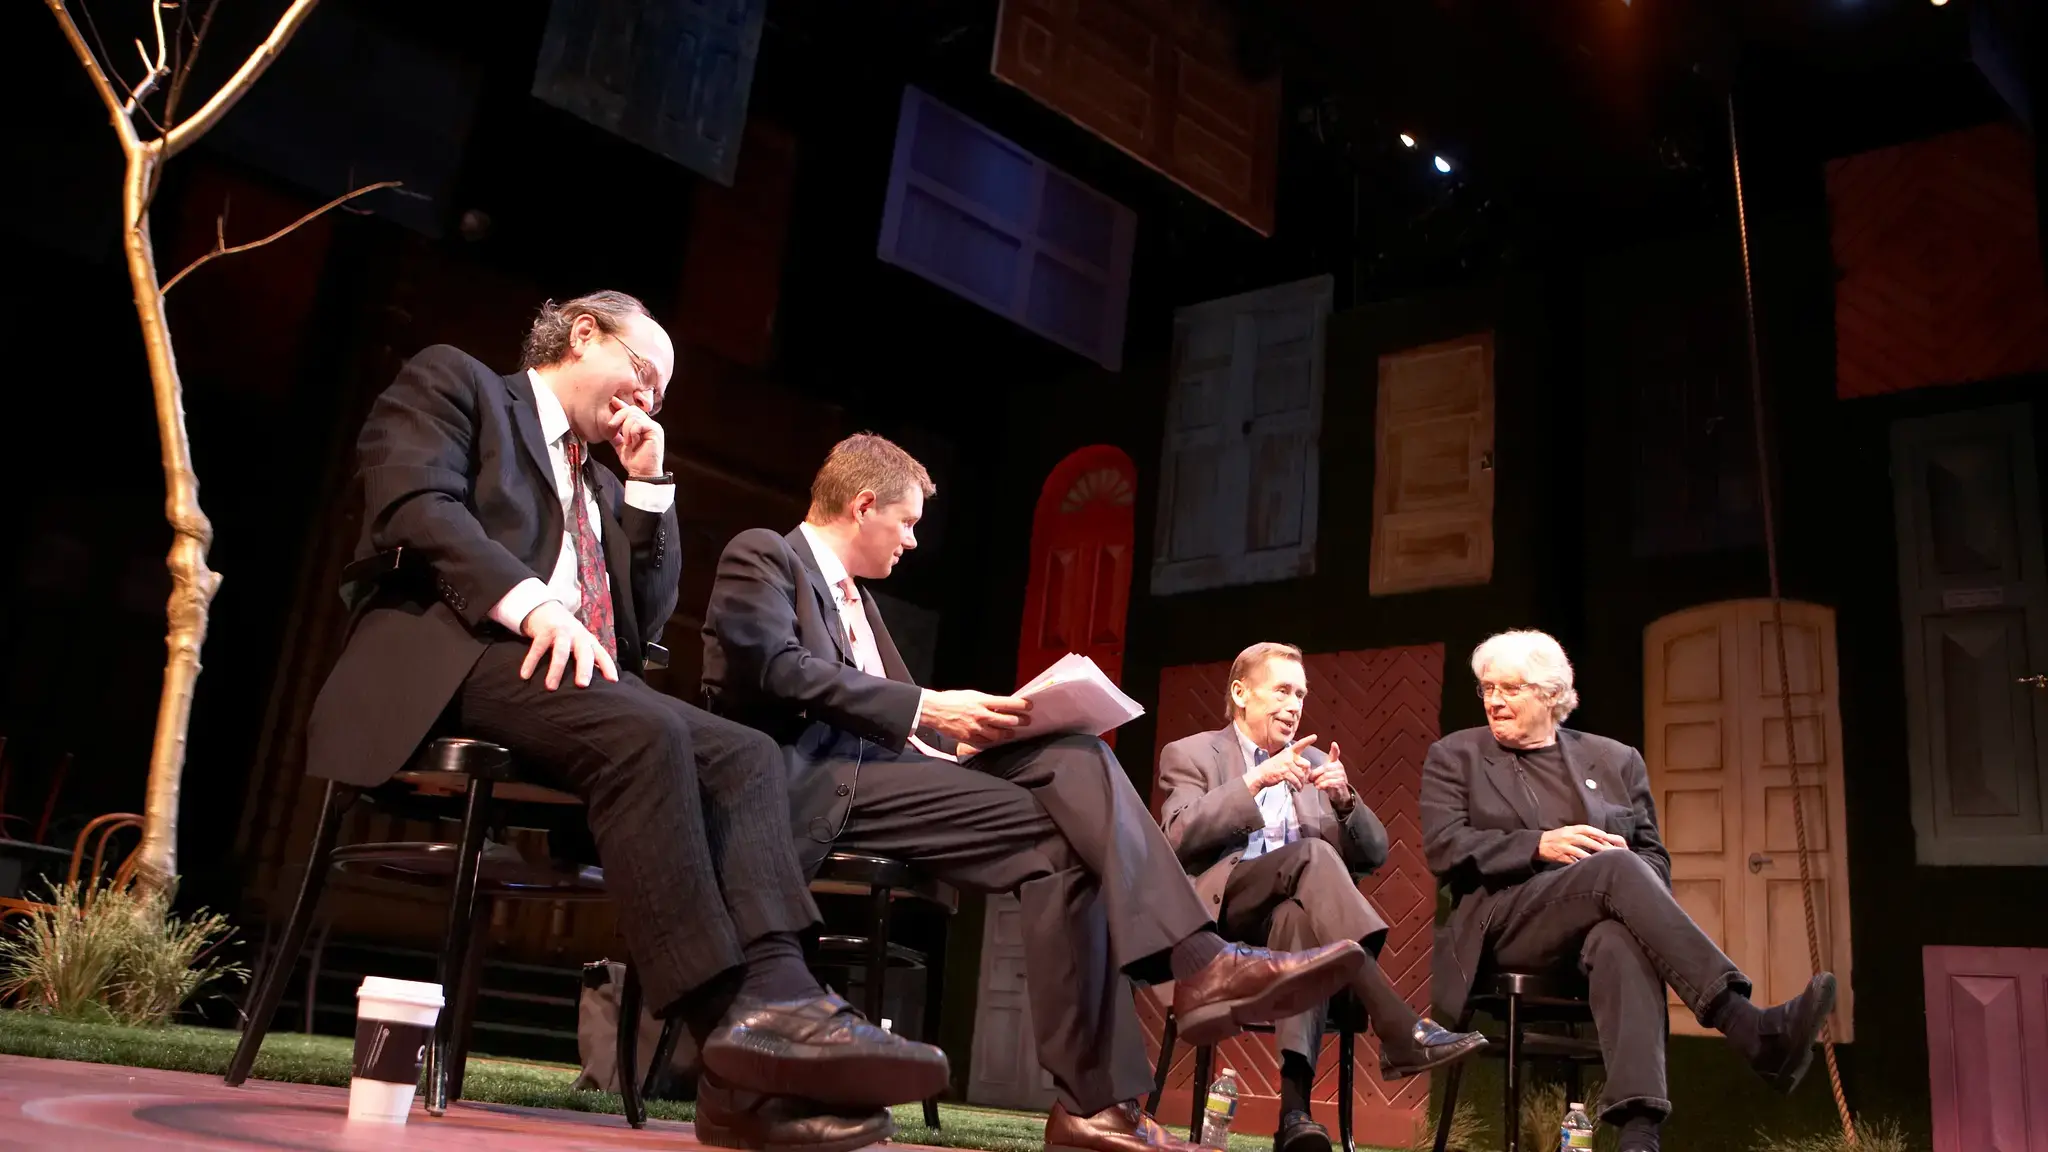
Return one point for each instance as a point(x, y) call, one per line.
point(502, 873)
point(861, 873)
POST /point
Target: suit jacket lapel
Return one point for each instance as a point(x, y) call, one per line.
point(1501, 772)
point(822, 593)
point(1581, 776)
point(527, 417)
point(892, 661)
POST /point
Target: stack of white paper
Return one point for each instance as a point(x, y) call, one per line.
point(1075, 696)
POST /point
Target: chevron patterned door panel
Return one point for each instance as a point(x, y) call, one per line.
point(1383, 706)
point(1937, 263)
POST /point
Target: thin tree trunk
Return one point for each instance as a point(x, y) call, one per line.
point(193, 584)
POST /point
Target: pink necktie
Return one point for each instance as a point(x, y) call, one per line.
point(847, 589)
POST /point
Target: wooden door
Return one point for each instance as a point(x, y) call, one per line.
point(1158, 79)
point(1081, 544)
point(1973, 603)
point(1241, 462)
point(1987, 1048)
point(1715, 742)
point(1432, 491)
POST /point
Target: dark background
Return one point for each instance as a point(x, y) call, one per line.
point(1589, 222)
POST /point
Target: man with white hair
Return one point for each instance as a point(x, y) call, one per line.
point(1271, 829)
point(1547, 838)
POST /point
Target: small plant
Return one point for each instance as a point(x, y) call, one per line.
point(1467, 1130)
point(1881, 1135)
point(112, 955)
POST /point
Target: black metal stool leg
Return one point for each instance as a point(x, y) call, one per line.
point(1199, 1092)
point(1448, 1110)
point(263, 1004)
point(629, 1048)
point(878, 953)
point(1347, 1038)
point(313, 963)
point(1166, 1040)
point(465, 1008)
point(455, 945)
point(934, 998)
point(1511, 1079)
point(664, 1053)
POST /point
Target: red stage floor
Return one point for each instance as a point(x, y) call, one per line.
point(85, 1107)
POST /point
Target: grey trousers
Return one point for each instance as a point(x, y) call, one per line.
point(1057, 822)
point(1631, 938)
point(1298, 896)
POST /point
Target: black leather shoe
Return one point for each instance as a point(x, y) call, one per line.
point(821, 1049)
point(1299, 1132)
point(1427, 1045)
point(1787, 1032)
point(729, 1118)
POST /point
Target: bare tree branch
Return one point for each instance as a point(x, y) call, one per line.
point(181, 136)
point(122, 126)
point(191, 58)
point(154, 70)
point(220, 229)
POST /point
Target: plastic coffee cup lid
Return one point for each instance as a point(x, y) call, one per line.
point(413, 992)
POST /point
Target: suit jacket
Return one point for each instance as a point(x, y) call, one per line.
point(1480, 832)
point(454, 472)
point(776, 658)
point(1209, 812)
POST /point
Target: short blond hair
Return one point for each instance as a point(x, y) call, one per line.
point(865, 462)
point(1250, 660)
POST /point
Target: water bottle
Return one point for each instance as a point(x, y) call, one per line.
point(1218, 1112)
point(1577, 1130)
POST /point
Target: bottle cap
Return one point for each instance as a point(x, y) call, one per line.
point(1576, 1106)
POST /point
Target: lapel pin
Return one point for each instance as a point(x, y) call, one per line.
point(1590, 783)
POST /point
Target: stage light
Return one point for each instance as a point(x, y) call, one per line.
point(1443, 165)
point(1939, 3)
point(1407, 141)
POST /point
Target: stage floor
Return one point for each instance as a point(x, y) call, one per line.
point(59, 1104)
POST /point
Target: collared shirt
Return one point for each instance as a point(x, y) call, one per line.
point(512, 610)
point(867, 650)
point(1276, 805)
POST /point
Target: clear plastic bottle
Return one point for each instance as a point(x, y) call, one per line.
point(1220, 1110)
point(1577, 1130)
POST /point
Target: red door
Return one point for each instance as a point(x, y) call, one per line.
point(1987, 1048)
point(1080, 564)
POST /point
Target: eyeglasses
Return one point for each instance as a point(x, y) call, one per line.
point(645, 372)
point(1509, 690)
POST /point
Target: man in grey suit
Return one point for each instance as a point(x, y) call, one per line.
point(956, 782)
point(1547, 838)
point(1273, 832)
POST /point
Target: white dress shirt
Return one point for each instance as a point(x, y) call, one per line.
point(1276, 804)
point(867, 651)
point(525, 596)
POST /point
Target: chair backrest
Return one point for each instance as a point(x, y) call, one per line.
point(96, 833)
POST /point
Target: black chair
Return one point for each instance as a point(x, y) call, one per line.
point(1519, 999)
point(1344, 1013)
point(488, 780)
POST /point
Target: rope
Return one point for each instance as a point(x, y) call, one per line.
point(1763, 469)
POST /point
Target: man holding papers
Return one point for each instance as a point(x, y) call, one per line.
point(974, 790)
point(1273, 832)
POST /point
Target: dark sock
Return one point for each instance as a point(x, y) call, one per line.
point(775, 969)
point(1735, 1017)
point(1297, 1080)
point(1639, 1130)
point(1390, 1016)
point(1194, 953)
point(703, 1008)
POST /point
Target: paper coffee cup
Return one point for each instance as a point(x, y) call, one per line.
point(394, 1025)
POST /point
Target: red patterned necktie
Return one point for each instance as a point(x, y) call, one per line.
point(594, 610)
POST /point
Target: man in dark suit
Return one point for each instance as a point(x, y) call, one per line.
point(1547, 838)
point(527, 587)
point(953, 782)
point(1273, 832)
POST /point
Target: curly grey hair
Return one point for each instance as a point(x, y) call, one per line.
point(1540, 660)
point(547, 342)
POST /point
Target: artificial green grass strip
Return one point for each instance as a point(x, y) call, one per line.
point(300, 1059)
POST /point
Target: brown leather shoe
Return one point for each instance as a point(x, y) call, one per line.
point(1253, 986)
point(1118, 1128)
point(730, 1118)
point(821, 1049)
